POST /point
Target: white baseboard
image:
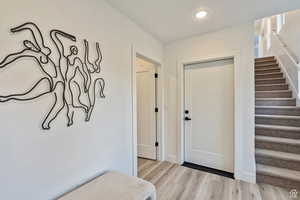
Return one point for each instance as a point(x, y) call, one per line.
point(245, 176)
point(171, 158)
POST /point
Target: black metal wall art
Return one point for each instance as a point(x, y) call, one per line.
point(59, 73)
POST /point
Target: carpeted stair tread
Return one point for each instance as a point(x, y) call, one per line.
point(278, 131)
point(284, 128)
point(279, 116)
point(265, 58)
point(273, 91)
point(278, 155)
point(274, 99)
point(272, 73)
point(271, 68)
point(268, 79)
point(279, 107)
point(275, 119)
point(269, 63)
point(278, 172)
point(269, 75)
point(274, 94)
point(267, 70)
point(271, 87)
point(276, 84)
point(286, 141)
point(277, 110)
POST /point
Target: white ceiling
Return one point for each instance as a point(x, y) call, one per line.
point(170, 20)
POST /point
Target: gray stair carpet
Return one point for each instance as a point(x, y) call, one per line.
point(277, 127)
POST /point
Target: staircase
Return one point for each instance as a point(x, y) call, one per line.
point(277, 127)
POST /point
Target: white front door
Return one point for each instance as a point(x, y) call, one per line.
point(209, 112)
point(146, 102)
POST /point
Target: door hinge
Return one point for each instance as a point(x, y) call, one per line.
point(156, 110)
point(156, 144)
point(156, 75)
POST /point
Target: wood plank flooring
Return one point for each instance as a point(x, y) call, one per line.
point(175, 182)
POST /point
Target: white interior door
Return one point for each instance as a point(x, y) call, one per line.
point(146, 103)
point(209, 100)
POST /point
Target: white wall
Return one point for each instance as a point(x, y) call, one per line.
point(236, 39)
point(287, 63)
point(289, 57)
point(290, 32)
point(38, 164)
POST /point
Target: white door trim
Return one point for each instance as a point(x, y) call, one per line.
point(160, 104)
point(237, 107)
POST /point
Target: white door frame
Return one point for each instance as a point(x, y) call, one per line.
point(160, 116)
point(237, 107)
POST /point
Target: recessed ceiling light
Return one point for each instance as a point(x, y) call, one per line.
point(201, 14)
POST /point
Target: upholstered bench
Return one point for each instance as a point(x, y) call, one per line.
point(113, 186)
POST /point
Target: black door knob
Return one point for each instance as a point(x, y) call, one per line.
point(187, 119)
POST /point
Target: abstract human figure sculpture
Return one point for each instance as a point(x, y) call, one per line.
point(58, 73)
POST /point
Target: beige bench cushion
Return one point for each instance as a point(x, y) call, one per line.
point(113, 186)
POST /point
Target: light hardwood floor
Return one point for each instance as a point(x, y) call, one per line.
point(175, 182)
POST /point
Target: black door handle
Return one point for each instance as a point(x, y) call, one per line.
point(187, 119)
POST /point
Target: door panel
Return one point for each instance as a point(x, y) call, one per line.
point(146, 113)
point(209, 98)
